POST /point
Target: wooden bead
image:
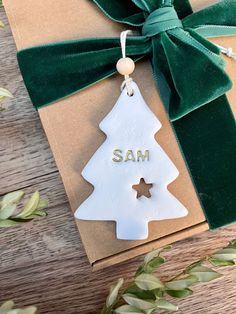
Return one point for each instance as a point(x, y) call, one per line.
point(125, 66)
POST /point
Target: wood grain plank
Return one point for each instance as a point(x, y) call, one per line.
point(24, 150)
point(63, 282)
point(26, 243)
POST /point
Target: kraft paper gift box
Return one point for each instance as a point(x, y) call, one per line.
point(72, 128)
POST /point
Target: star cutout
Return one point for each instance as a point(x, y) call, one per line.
point(143, 188)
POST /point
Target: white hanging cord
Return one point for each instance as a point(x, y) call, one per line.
point(128, 80)
point(125, 66)
point(127, 83)
point(123, 36)
point(228, 52)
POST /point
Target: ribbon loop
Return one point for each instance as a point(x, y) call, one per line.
point(161, 20)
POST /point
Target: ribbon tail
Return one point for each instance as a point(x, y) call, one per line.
point(211, 31)
point(208, 142)
point(52, 72)
point(188, 62)
point(213, 19)
point(207, 137)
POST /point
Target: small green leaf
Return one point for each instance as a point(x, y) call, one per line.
point(8, 223)
point(21, 220)
point(40, 213)
point(199, 263)
point(154, 264)
point(227, 254)
point(6, 306)
point(37, 214)
point(42, 204)
point(232, 244)
point(151, 266)
point(165, 305)
point(5, 93)
point(142, 294)
point(204, 274)
point(1, 24)
point(152, 261)
point(151, 255)
point(12, 198)
point(148, 282)
point(128, 309)
point(7, 211)
point(220, 263)
point(159, 293)
point(138, 303)
point(179, 293)
point(155, 253)
point(140, 270)
point(28, 310)
point(112, 297)
point(181, 283)
point(30, 206)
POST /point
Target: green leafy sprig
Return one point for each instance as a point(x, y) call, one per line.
point(10, 216)
point(4, 94)
point(1, 23)
point(7, 308)
point(147, 293)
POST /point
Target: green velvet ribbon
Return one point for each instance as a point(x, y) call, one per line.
point(161, 20)
point(188, 70)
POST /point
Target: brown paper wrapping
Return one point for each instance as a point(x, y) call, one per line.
point(72, 129)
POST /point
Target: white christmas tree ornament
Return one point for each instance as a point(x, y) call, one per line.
point(129, 158)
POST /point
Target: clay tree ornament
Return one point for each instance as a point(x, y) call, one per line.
point(130, 172)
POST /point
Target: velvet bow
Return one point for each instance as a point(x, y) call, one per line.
point(188, 70)
point(187, 67)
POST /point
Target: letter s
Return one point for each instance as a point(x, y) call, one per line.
point(117, 155)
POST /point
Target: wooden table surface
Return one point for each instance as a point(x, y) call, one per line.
point(43, 262)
